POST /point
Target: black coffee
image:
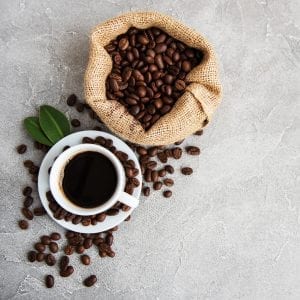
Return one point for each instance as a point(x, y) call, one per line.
point(89, 180)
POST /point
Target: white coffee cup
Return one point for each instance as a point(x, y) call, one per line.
point(57, 173)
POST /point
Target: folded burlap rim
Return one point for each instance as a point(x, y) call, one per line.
point(192, 111)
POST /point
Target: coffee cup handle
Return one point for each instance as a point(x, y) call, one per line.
point(129, 200)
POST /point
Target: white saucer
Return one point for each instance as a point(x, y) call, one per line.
point(43, 180)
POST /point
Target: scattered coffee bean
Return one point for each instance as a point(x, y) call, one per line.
point(109, 239)
point(72, 99)
point(27, 191)
point(49, 281)
point(69, 250)
point(162, 157)
point(146, 191)
point(27, 213)
point(90, 281)
point(28, 163)
point(40, 256)
point(87, 140)
point(157, 185)
point(21, 149)
point(112, 212)
point(39, 211)
point(186, 171)
point(162, 173)
point(64, 262)
point(177, 152)
point(80, 249)
point(28, 201)
point(199, 132)
point(168, 181)
point(192, 150)
point(53, 247)
point(31, 256)
point(23, 224)
point(67, 272)
point(167, 194)
point(80, 107)
point(75, 122)
point(169, 169)
point(45, 239)
point(85, 259)
point(50, 260)
point(55, 236)
point(39, 247)
point(179, 142)
point(87, 243)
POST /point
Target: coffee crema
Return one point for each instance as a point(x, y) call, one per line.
point(89, 179)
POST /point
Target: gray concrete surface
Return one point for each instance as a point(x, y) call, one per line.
point(232, 231)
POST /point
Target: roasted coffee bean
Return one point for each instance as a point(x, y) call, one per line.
point(27, 213)
point(123, 43)
point(186, 171)
point(168, 181)
point(87, 140)
point(40, 256)
point(27, 191)
point(109, 239)
point(50, 260)
point(179, 142)
point(146, 191)
point(64, 262)
point(55, 236)
point(87, 243)
point(33, 170)
point(177, 152)
point(179, 85)
point(67, 272)
point(85, 259)
point(39, 247)
point(72, 99)
point(90, 281)
point(80, 107)
point(112, 212)
point(49, 281)
point(31, 256)
point(101, 217)
point(80, 249)
point(23, 224)
point(141, 150)
point(154, 175)
point(157, 185)
point(77, 220)
point(198, 132)
point(192, 150)
point(28, 163)
point(169, 169)
point(162, 157)
point(39, 211)
point(28, 201)
point(86, 221)
point(69, 250)
point(152, 151)
point(162, 173)
point(21, 149)
point(147, 175)
point(75, 122)
point(45, 239)
point(122, 156)
point(53, 247)
point(167, 194)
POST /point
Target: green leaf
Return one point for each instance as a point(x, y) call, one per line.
point(54, 123)
point(34, 129)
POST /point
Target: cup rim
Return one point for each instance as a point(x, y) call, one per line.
point(56, 173)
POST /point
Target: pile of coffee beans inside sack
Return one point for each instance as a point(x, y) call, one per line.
point(53, 249)
point(149, 72)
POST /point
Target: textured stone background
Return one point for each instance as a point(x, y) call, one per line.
point(232, 231)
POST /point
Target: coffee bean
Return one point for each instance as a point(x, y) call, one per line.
point(167, 194)
point(151, 164)
point(123, 43)
point(27, 213)
point(168, 181)
point(198, 132)
point(146, 191)
point(50, 260)
point(80, 249)
point(55, 236)
point(90, 281)
point(28, 163)
point(87, 140)
point(40, 256)
point(64, 262)
point(69, 250)
point(67, 272)
point(85, 259)
point(75, 122)
point(162, 157)
point(21, 149)
point(28, 201)
point(112, 212)
point(109, 239)
point(179, 142)
point(177, 152)
point(186, 171)
point(53, 247)
point(23, 224)
point(162, 173)
point(39, 211)
point(45, 239)
point(87, 243)
point(31, 256)
point(49, 281)
point(157, 185)
point(180, 85)
point(186, 66)
point(27, 191)
point(154, 176)
point(39, 247)
point(80, 107)
point(71, 100)
point(192, 150)
point(128, 218)
point(101, 217)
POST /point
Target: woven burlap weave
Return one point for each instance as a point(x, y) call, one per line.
point(192, 110)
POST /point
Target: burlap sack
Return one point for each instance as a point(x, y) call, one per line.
point(193, 109)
